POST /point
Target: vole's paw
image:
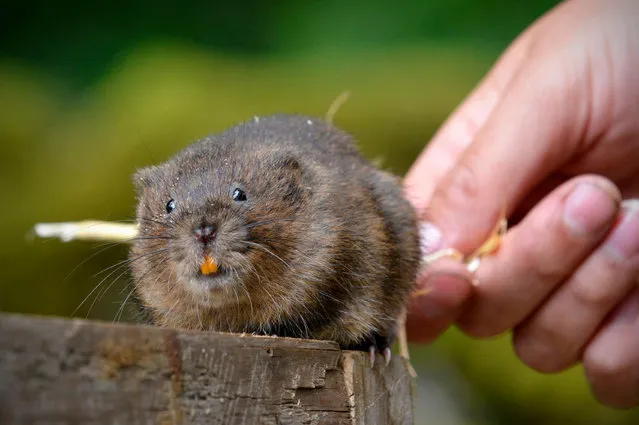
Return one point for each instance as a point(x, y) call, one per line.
point(386, 352)
point(375, 344)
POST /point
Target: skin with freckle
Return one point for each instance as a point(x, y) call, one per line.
point(277, 226)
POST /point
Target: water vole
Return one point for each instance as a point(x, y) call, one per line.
point(277, 226)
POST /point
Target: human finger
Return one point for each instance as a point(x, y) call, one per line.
point(437, 301)
point(540, 253)
point(611, 360)
point(557, 333)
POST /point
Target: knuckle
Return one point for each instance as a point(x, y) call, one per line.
point(468, 122)
point(549, 271)
point(461, 186)
point(464, 181)
point(601, 283)
point(592, 292)
point(534, 259)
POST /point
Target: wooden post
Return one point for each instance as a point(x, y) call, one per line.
point(57, 371)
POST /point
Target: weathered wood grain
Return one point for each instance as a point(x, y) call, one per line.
point(56, 371)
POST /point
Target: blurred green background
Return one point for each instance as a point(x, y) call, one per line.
point(89, 92)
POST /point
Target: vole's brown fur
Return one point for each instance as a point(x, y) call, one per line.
point(324, 246)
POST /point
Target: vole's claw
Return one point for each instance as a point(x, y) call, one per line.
point(375, 344)
point(372, 350)
point(387, 355)
point(386, 352)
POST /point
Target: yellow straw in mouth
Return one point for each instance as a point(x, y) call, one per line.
point(208, 266)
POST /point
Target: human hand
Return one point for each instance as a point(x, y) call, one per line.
point(552, 134)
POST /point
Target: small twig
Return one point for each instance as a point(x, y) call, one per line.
point(89, 230)
point(402, 340)
point(336, 105)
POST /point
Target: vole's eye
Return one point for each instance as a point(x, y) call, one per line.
point(239, 195)
point(170, 206)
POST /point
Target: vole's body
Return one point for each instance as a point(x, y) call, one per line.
point(323, 246)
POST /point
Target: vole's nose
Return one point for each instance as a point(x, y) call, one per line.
point(205, 233)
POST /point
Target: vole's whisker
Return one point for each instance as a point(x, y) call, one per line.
point(265, 222)
point(237, 297)
point(95, 288)
point(197, 312)
point(307, 333)
point(104, 290)
point(107, 245)
point(125, 288)
point(263, 287)
point(291, 248)
point(149, 238)
point(268, 251)
point(169, 312)
point(131, 260)
point(129, 240)
point(248, 296)
point(116, 268)
point(104, 248)
point(150, 220)
point(270, 295)
point(118, 315)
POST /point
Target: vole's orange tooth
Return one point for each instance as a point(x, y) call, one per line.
point(208, 266)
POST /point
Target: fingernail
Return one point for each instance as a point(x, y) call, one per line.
point(430, 238)
point(589, 208)
point(623, 243)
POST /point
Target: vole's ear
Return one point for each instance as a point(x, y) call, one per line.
point(289, 163)
point(290, 177)
point(143, 178)
point(289, 167)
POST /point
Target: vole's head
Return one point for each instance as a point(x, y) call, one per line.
point(218, 226)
